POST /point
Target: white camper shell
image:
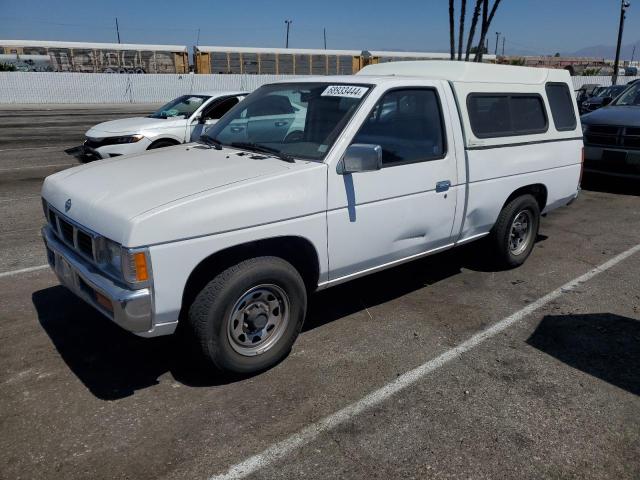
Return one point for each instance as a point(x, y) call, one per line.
point(308, 183)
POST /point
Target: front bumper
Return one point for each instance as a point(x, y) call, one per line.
point(612, 161)
point(130, 309)
point(86, 153)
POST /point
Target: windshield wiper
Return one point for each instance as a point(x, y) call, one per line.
point(210, 141)
point(264, 149)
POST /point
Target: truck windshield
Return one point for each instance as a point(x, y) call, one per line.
point(296, 119)
point(631, 97)
point(183, 106)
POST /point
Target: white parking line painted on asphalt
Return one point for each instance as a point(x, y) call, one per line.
point(15, 199)
point(305, 436)
point(39, 166)
point(28, 148)
point(22, 270)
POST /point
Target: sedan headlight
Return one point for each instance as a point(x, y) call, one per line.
point(130, 265)
point(127, 139)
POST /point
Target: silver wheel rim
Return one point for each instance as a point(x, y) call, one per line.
point(521, 232)
point(258, 319)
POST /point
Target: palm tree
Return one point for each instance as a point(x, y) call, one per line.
point(486, 22)
point(452, 39)
point(463, 12)
point(472, 30)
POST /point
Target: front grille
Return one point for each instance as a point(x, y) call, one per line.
point(631, 137)
point(66, 229)
point(613, 136)
point(73, 235)
point(85, 243)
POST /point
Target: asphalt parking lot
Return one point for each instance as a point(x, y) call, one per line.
point(442, 368)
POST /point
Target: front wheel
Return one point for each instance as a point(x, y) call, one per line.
point(514, 234)
point(247, 318)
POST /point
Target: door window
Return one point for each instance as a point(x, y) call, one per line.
point(407, 124)
point(218, 109)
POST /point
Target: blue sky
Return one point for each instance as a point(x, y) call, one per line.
point(543, 26)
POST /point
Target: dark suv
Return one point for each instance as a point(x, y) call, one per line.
point(612, 136)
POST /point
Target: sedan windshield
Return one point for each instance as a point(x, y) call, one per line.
point(630, 97)
point(293, 119)
point(183, 106)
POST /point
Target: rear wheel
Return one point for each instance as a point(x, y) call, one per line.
point(514, 234)
point(247, 318)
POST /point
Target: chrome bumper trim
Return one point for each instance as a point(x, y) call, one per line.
point(131, 308)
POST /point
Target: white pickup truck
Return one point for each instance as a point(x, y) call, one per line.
point(309, 183)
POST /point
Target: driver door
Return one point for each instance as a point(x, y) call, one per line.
point(209, 115)
point(407, 207)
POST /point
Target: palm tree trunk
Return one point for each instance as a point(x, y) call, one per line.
point(483, 31)
point(472, 29)
point(452, 40)
point(486, 22)
point(463, 12)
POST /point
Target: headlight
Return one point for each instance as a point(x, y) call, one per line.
point(127, 139)
point(131, 265)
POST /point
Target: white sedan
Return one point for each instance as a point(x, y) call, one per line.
point(179, 121)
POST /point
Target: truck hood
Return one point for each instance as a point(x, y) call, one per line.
point(105, 195)
point(626, 116)
point(132, 126)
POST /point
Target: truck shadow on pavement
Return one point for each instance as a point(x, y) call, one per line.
point(604, 345)
point(615, 185)
point(114, 364)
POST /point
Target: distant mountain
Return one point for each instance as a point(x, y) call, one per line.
point(607, 51)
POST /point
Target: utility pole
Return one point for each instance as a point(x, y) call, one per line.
point(504, 39)
point(117, 30)
point(623, 10)
point(288, 22)
point(497, 38)
point(633, 54)
point(324, 33)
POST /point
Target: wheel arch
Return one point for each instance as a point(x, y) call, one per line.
point(298, 251)
point(171, 140)
point(537, 190)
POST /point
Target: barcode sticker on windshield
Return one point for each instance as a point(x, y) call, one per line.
point(350, 91)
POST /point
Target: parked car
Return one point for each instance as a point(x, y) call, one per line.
point(601, 98)
point(612, 136)
point(586, 91)
point(309, 183)
point(181, 120)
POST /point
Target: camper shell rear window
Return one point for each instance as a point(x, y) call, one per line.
point(506, 114)
point(561, 104)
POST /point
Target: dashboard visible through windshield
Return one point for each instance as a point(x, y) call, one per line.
point(295, 119)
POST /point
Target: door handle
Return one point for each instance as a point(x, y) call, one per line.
point(237, 129)
point(281, 123)
point(443, 185)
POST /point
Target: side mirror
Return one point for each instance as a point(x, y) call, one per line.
point(361, 157)
point(606, 101)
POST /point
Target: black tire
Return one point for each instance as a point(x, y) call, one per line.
point(211, 313)
point(161, 144)
point(502, 237)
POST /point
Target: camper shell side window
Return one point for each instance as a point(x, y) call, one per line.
point(506, 114)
